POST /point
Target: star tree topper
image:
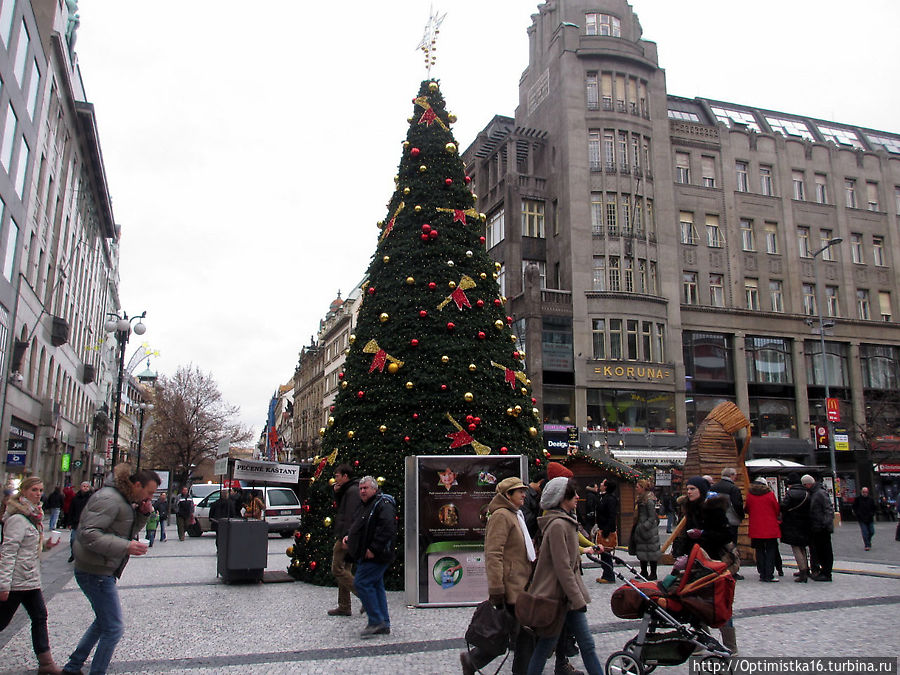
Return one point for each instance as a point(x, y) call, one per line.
point(429, 40)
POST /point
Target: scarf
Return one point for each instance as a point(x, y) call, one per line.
point(34, 513)
point(529, 547)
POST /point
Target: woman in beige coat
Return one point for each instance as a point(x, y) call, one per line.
point(509, 555)
point(20, 567)
point(558, 574)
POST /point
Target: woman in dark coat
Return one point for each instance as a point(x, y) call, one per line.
point(607, 523)
point(645, 536)
point(795, 524)
point(706, 524)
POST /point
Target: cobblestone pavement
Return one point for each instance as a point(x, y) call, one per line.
point(181, 619)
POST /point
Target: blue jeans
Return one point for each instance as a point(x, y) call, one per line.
point(369, 582)
point(868, 531)
point(577, 623)
point(54, 516)
point(162, 529)
point(107, 628)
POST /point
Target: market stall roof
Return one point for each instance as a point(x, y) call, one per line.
point(604, 461)
point(771, 463)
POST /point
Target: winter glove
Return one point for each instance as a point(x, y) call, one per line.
point(498, 600)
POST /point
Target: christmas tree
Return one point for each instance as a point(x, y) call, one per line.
point(433, 367)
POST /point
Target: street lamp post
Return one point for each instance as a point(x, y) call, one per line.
point(121, 327)
point(145, 407)
point(819, 300)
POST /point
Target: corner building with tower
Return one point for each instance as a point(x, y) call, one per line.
point(660, 256)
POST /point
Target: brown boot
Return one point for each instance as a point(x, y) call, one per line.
point(46, 665)
point(801, 577)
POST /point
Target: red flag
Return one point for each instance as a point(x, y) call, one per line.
point(459, 438)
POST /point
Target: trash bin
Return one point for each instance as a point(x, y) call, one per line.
point(243, 549)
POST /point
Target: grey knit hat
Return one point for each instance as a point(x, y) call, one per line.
point(553, 492)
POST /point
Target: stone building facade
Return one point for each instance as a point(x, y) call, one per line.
point(658, 253)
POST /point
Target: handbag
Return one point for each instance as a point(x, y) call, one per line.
point(490, 629)
point(609, 542)
point(543, 615)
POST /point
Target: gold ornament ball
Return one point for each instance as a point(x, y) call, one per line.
point(532, 432)
point(410, 281)
point(482, 216)
point(518, 409)
point(432, 86)
point(510, 412)
point(352, 338)
point(396, 179)
point(483, 275)
point(330, 421)
point(524, 391)
point(527, 382)
point(383, 317)
point(351, 434)
point(380, 224)
point(498, 324)
point(343, 385)
point(513, 338)
point(295, 562)
point(472, 367)
point(497, 266)
point(327, 521)
point(386, 259)
point(496, 276)
point(452, 285)
point(537, 413)
point(468, 397)
point(469, 254)
point(409, 385)
point(380, 481)
point(331, 481)
point(346, 351)
point(405, 144)
point(289, 551)
point(382, 428)
point(452, 118)
point(445, 359)
point(393, 368)
point(474, 197)
point(321, 431)
point(423, 168)
point(450, 147)
point(406, 191)
point(417, 208)
point(308, 537)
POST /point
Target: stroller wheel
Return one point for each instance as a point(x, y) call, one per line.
point(623, 663)
point(631, 648)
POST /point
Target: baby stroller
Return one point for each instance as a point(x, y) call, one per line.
point(674, 614)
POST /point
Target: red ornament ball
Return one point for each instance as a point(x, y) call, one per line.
point(533, 400)
point(433, 234)
point(516, 355)
point(356, 462)
point(482, 239)
point(479, 303)
point(306, 508)
point(423, 313)
point(340, 376)
point(469, 419)
point(360, 394)
point(468, 179)
point(426, 227)
point(312, 566)
point(443, 387)
point(407, 439)
point(481, 335)
point(414, 342)
point(415, 152)
point(477, 420)
point(424, 236)
point(371, 290)
point(509, 319)
point(448, 181)
point(331, 409)
point(504, 450)
point(450, 325)
point(472, 427)
point(431, 285)
point(537, 460)
point(498, 302)
point(415, 416)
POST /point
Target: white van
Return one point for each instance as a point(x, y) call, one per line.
point(282, 512)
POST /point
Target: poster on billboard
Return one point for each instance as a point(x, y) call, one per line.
point(446, 515)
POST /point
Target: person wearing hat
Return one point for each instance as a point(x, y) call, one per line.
point(707, 525)
point(795, 523)
point(763, 511)
point(557, 575)
point(509, 556)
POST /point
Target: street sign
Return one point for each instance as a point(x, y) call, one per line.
point(822, 437)
point(77, 464)
point(833, 409)
point(15, 458)
point(220, 468)
point(841, 440)
point(65, 463)
point(224, 446)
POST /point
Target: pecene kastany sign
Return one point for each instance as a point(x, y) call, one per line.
point(266, 472)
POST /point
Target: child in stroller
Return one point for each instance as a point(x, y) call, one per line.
point(674, 613)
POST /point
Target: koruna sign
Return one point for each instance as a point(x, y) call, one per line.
point(266, 472)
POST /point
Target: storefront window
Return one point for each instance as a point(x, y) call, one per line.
point(631, 410)
point(880, 366)
point(559, 405)
point(707, 356)
point(768, 360)
point(773, 418)
point(836, 362)
point(698, 407)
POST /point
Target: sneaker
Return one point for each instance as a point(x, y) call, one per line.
point(868, 548)
point(337, 611)
point(372, 631)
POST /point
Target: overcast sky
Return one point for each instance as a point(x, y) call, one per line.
point(250, 152)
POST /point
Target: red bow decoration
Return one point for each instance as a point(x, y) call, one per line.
point(459, 294)
point(381, 357)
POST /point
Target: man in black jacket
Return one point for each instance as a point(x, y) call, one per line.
point(531, 509)
point(864, 510)
point(78, 503)
point(370, 543)
point(346, 497)
point(735, 513)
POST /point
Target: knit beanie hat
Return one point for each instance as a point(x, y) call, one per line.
point(553, 492)
point(555, 470)
point(700, 483)
point(793, 478)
